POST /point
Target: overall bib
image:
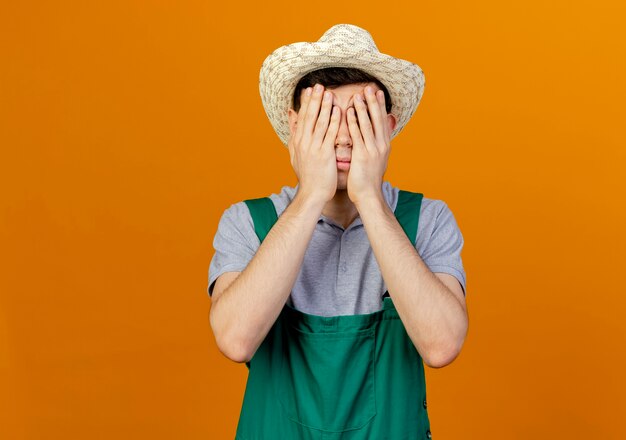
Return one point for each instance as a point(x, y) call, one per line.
point(346, 377)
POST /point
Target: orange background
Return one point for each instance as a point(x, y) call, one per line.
point(128, 127)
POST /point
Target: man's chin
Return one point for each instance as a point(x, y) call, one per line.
point(342, 181)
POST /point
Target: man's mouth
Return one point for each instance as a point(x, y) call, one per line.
point(343, 164)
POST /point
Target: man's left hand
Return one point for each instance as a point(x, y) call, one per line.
point(370, 145)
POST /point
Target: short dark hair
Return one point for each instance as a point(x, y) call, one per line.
point(335, 77)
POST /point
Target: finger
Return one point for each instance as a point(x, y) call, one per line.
point(290, 147)
point(375, 114)
point(323, 119)
point(355, 131)
point(333, 128)
point(312, 111)
point(380, 95)
point(305, 97)
point(365, 125)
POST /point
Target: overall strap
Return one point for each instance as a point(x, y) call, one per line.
point(263, 214)
point(408, 212)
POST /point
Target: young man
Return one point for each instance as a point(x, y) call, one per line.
point(326, 290)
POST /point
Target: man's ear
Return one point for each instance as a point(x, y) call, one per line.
point(293, 119)
point(392, 121)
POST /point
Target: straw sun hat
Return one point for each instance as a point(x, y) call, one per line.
point(343, 45)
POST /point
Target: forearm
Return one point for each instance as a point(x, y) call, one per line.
point(434, 318)
point(247, 309)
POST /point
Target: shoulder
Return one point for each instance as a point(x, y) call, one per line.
point(283, 198)
point(436, 220)
point(430, 208)
point(433, 209)
point(238, 215)
point(236, 227)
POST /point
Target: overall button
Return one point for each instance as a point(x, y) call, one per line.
point(428, 434)
point(424, 403)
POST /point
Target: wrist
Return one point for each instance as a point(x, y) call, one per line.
point(308, 203)
point(369, 199)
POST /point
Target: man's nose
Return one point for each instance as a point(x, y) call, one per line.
point(343, 134)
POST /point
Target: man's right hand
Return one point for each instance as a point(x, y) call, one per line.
point(312, 144)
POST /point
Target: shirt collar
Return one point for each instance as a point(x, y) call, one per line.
point(357, 221)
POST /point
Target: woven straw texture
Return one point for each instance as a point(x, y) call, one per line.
point(343, 45)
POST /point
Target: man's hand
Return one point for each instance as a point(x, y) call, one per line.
point(371, 145)
point(312, 145)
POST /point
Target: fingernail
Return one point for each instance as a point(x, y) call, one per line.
point(326, 96)
point(359, 98)
point(368, 90)
point(318, 88)
point(308, 91)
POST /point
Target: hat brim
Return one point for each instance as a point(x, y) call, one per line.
point(282, 70)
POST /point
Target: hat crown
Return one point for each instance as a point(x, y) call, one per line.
point(349, 34)
point(343, 46)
